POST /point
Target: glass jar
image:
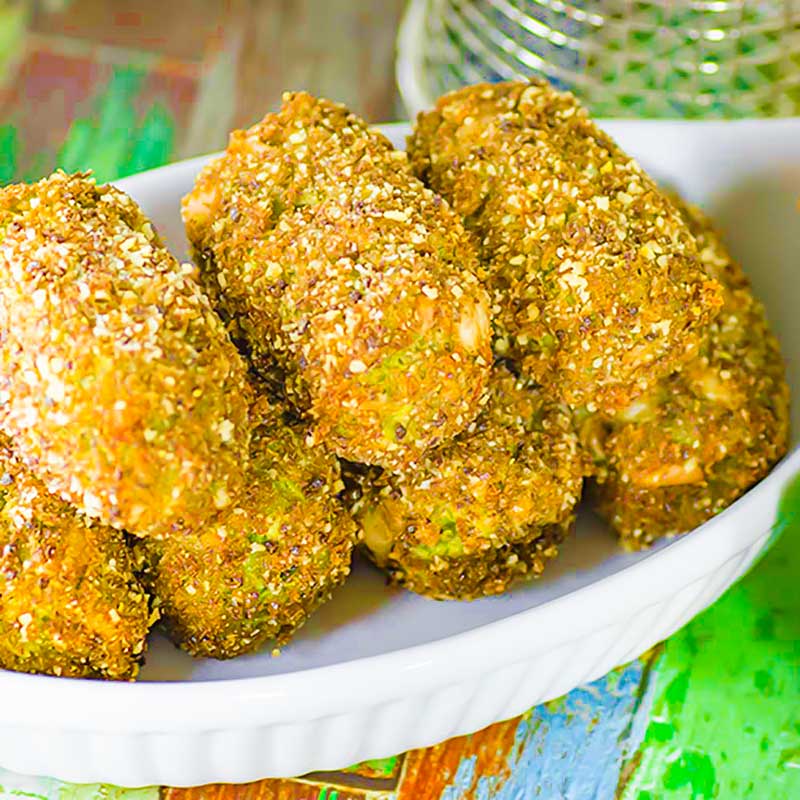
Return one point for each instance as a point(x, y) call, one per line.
point(662, 58)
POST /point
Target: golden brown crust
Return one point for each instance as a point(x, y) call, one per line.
point(328, 256)
point(479, 511)
point(255, 571)
point(690, 447)
point(484, 573)
point(70, 604)
point(118, 382)
point(595, 280)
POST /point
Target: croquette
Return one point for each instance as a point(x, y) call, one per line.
point(596, 286)
point(70, 603)
point(686, 450)
point(327, 256)
point(118, 382)
point(483, 510)
point(254, 572)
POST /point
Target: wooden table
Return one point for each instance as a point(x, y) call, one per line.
point(123, 86)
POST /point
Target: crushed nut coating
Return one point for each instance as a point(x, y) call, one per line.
point(686, 450)
point(70, 604)
point(327, 255)
point(118, 382)
point(256, 570)
point(596, 284)
point(483, 510)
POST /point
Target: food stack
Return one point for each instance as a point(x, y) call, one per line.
point(427, 354)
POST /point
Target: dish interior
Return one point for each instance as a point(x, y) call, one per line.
point(751, 192)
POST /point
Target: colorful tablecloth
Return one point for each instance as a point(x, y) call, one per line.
point(712, 713)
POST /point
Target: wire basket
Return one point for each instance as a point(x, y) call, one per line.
point(663, 58)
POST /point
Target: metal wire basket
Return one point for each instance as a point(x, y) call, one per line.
point(662, 58)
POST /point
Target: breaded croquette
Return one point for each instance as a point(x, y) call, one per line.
point(69, 601)
point(327, 255)
point(687, 449)
point(256, 570)
point(482, 510)
point(118, 382)
point(594, 276)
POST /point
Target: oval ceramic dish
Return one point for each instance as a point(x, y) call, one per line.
point(379, 671)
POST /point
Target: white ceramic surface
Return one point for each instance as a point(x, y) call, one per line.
point(379, 671)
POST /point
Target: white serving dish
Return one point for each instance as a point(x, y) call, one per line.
point(380, 671)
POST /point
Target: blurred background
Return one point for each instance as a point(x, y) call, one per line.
point(126, 85)
point(663, 58)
